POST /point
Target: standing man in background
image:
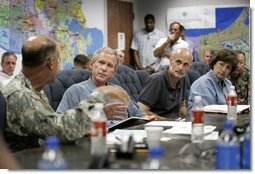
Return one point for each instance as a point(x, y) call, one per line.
point(144, 42)
point(167, 45)
point(8, 64)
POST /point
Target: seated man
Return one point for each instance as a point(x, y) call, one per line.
point(8, 64)
point(81, 61)
point(120, 55)
point(163, 93)
point(207, 56)
point(29, 116)
point(213, 87)
point(240, 78)
point(104, 64)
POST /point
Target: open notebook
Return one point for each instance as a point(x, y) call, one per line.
point(224, 108)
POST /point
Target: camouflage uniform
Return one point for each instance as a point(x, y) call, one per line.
point(31, 118)
point(241, 84)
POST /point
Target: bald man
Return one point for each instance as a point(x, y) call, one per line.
point(164, 92)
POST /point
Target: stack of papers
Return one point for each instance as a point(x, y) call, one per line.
point(183, 128)
point(174, 128)
point(117, 135)
point(224, 108)
point(186, 129)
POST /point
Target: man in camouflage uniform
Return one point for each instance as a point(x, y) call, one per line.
point(29, 115)
point(240, 79)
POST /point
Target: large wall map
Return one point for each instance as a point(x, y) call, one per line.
point(215, 28)
point(63, 20)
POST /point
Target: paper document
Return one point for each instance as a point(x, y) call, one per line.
point(186, 129)
point(214, 135)
point(167, 123)
point(115, 136)
point(224, 108)
point(183, 128)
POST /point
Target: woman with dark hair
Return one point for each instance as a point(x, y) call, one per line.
point(213, 87)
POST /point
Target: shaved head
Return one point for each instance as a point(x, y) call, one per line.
point(37, 49)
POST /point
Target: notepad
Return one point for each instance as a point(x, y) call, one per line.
point(224, 108)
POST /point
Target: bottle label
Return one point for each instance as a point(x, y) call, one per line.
point(228, 156)
point(99, 129)
point(197, 117)
point(232, 100)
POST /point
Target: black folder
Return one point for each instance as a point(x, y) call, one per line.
point(129, 122)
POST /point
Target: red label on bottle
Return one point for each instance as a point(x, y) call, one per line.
point(99, 129)
point(197, 116)
point(232, 100)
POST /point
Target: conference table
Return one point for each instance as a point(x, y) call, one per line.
point(179, 152)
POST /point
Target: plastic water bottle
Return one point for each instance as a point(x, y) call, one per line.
point(98, 136)
point(228, 148)
point(231, 103)
point(246, 150)
point(52, 157)
point(155, 159)
point(197, 134)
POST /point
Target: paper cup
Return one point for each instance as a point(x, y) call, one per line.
point(153, 135)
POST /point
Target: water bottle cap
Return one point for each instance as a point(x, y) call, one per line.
point(99, 105)
point(52, 141)
point(156, 151)
point(228, 125)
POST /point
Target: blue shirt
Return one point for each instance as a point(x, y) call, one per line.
point(211, 89)
point(82, 90)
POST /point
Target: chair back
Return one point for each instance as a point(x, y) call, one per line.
point(129, 80)
point(200, 67)
point(65, 79)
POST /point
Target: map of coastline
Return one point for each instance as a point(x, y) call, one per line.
point(232, 31)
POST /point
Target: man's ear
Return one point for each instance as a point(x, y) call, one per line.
point(91, 64)
point(49, 64)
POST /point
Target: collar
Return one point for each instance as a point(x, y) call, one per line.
point(168, 80)
point(222, 83)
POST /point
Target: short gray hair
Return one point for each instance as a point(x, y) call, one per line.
point(106, 50)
